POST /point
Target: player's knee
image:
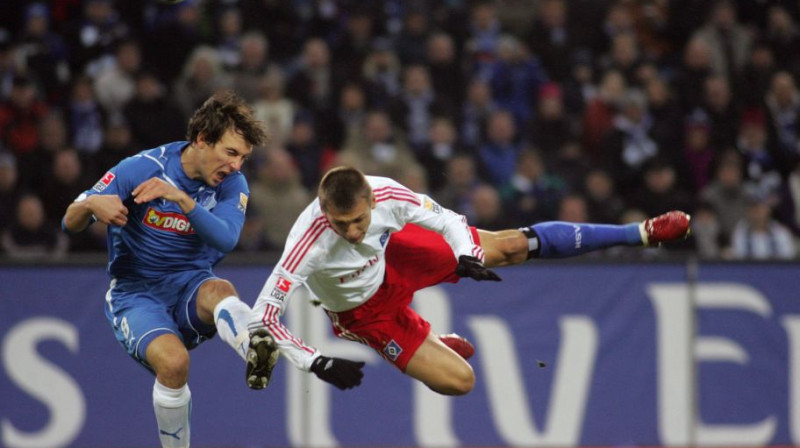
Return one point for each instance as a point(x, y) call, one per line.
point(459, 382)
point(172, 369)
point(218, 289)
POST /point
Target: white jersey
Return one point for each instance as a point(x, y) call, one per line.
point(342, 275)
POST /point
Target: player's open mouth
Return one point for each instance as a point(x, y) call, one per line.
point(220, 176)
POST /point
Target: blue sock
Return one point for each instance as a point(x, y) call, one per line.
point(557, 239)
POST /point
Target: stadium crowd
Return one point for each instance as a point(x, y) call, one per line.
point(505, 111)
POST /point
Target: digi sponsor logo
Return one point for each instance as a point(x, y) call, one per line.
point(392, 350)
point(104, 182)
point(171, 222)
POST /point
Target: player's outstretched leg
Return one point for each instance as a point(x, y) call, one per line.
point(230, 318)
point(557, 239)
point(262, 355)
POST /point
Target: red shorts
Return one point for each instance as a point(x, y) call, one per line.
point(415, 259)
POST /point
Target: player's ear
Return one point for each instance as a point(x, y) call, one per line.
point(373, 202)
point(201, 139)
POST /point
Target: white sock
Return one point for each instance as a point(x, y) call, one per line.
point(231, 316)
point(173, 408)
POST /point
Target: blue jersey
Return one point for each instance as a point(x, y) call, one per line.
point(158, 237)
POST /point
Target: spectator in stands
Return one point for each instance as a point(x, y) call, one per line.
point(445, 68)
point(460, 179)
point(151, 114)
point(660, 191)
point(53, 138)
point(172, 40)
point(253, 62)
point(532, 190)
point(115, 85)
point(278, 187)
point(310, 157)
point(690, 77)
point(753, 82)
point(411, 42)
point(729, 42)
point(759, 162)
point(383, 151)
point(31, 235)
point(516, 78)
point(783, 37)
point(550, 129)
point(475, 113)
point(698, 152)
point(725, 195)
point(94, 36)
point(552, 38)
point(65, 182)
point(202, 75)
point(229, 37)
point(85, 118)
point(783, 112)
point(441, 146)
point(44, 52)
point(498, 155)
point(9, 188)
point(629, 144)
point(417, 105)
point(20, 116)
point(598, 116)
point(117, 144)
point(722, 111)
point(487, 208)
point(603, 203)
point(382, 74)
point(573, 208)
point(758, 236)
point(273, 108)
point(314, 84)
point(624, 57)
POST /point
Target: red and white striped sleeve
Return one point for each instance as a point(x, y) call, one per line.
point(290, 273)
point(420, 209)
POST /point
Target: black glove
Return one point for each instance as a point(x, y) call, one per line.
point(473, 268)
point(342, 373)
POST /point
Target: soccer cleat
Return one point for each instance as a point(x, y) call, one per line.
point(262, 355)
point(667, 227)
point(458, 344)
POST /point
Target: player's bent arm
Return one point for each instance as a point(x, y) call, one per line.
point(217, 232)
point(107, 209)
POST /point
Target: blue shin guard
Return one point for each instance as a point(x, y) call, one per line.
point(557, 239)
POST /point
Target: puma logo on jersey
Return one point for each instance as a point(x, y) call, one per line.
point(171, 222)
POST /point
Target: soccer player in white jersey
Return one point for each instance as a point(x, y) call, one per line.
point(366, 244)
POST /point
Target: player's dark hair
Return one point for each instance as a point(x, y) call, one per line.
point(222, 111)
point(341, 187)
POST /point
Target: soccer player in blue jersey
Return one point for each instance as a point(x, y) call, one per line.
point(172, 214)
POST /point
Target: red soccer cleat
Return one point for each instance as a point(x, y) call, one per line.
point(670, 226)
point(458, 344)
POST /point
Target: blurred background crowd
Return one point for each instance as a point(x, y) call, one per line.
point(507, 111)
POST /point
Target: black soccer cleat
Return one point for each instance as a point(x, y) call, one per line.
point(262, 355)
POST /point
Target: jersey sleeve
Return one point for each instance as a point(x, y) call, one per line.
point(420, 209)
point(296, 264)
point(220, 227)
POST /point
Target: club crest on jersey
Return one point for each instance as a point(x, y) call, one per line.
point(384, 238)
point(242, 202)
point(392, 350)
point(432, 206)
point(171, 222)
point(104, 182)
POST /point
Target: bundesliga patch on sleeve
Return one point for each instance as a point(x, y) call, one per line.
point(242, 202)
point(104, 182)
point(281, 288)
